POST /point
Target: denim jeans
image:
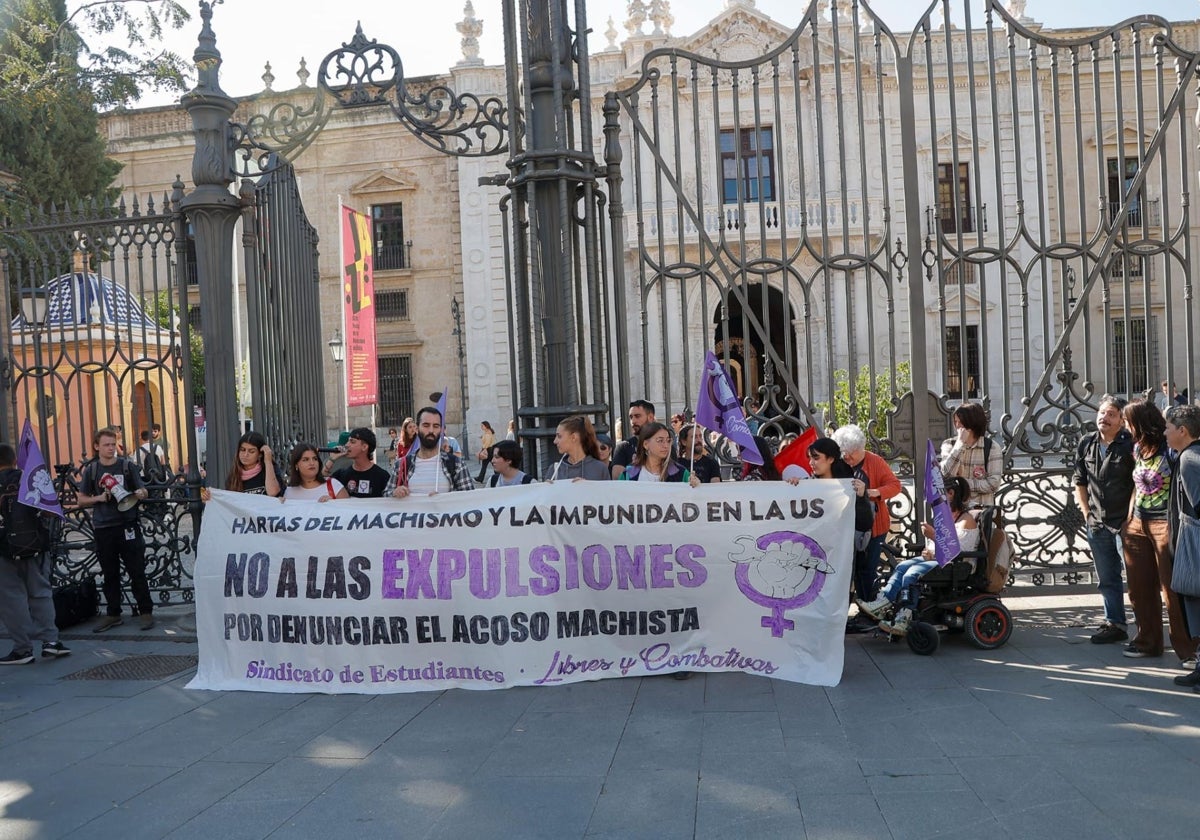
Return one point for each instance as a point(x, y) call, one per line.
point(26, 601)
point(1106, 554)
point(906, 576)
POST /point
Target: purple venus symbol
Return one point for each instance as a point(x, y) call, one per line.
point(783, 571)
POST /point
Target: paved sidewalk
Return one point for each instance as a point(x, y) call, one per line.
point(1050, 736)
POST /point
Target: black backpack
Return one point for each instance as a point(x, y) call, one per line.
point(24, 528)
point(153, 470)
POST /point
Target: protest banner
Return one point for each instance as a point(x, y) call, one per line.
point(544, 584)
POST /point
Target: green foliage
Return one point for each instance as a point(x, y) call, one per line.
point(109, 47)
point(52, 82)
point(859, 410)
point(162, 309)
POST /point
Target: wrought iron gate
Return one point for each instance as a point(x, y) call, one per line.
point(283, 309)
point(973, 211)
point(92, 338)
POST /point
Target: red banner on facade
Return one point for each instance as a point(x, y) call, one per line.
point(358, 298)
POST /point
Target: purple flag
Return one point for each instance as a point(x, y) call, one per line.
point(717, 408)
point(945, 537)
point(37, 485)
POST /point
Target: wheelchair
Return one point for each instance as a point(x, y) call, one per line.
point(958, 597)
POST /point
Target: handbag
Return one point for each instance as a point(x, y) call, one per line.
point(1185, 573)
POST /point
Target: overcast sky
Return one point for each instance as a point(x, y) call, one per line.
point(252, 32)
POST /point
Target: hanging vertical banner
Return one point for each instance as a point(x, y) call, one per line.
point(358, 298)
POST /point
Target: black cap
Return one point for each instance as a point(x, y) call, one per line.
point(366, 436)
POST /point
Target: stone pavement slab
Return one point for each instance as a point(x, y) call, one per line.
point(1050, 736)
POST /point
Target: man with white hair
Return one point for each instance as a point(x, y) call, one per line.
point(882, 485)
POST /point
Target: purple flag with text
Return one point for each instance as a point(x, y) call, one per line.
point(717, 408)
point(37, 485)
point(945, 537)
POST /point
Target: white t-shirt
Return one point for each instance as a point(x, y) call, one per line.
point(313, 494)
point(427, 477)
point(646, 475)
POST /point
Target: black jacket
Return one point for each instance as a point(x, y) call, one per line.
point(1109, 481)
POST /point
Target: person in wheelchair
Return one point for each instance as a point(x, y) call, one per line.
point(902, 589)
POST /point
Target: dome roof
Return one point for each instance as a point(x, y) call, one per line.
point(70, 298)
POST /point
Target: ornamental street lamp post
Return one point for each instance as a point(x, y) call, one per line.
point(337, 349)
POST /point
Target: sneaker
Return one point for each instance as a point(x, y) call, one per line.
point(15, 658)
point(1137, 653)
point(682, 675)
point(899, 626)
point(1188, 664)
point(1108, 634)
point(1192, 679)
point(146, 621)
point(878, 609)
point(55, 649)
point(107, 623)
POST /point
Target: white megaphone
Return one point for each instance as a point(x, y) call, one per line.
point(124, 499)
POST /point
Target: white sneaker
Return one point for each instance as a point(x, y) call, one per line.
point(898, 627)
point(878, 609)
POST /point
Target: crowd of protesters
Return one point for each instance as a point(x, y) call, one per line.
point(1137, 482)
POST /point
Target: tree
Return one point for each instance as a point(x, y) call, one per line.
point(52, 81)
point(858, 411)
point(42, 45)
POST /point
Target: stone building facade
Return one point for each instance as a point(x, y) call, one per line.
point(994, 190)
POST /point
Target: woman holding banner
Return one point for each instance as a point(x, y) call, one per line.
point(576, 441)
point(653, 462)
point(908, 573)
point(254, 471)
point(304, 477)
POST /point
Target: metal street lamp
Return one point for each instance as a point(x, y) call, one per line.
point(456, 314)
point(337, 349)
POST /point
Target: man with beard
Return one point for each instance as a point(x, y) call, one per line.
point(697, 459)
point(641, 412)
point(428, 469)
point(1103, 487)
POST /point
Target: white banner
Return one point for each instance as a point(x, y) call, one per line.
point(544, 584)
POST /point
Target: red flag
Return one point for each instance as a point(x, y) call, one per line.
point(796, 452)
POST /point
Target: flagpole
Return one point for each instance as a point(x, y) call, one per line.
point(441, 407)
point(692, 447)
